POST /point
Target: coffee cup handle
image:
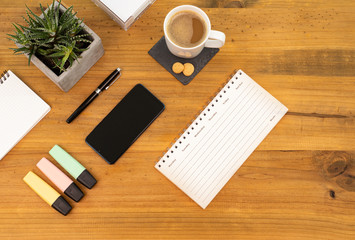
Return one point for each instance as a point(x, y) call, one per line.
point(216, 39)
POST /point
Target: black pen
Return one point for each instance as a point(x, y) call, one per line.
point(103, 86)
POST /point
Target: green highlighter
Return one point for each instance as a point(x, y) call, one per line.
point(72, 166)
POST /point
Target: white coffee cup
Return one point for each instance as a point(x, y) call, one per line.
point(214, 39)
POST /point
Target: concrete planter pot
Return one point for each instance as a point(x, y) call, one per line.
point(66, 80)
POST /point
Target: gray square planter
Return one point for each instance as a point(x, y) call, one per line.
point(66, 80)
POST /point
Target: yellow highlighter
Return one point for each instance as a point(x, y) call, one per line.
point(47, 193)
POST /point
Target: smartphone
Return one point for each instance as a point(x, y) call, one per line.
point(125, 123)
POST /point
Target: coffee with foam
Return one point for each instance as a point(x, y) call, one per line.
point(187, 29)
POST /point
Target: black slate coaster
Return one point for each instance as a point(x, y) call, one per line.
point(162, 55)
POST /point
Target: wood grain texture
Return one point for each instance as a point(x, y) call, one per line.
point(298, 184)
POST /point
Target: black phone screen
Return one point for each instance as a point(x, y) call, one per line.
point(125, 123)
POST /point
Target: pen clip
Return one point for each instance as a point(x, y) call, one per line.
point(118, 76)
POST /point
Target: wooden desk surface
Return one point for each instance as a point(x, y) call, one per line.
point(298, 184)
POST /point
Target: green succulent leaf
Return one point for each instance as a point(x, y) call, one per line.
point(57, 36)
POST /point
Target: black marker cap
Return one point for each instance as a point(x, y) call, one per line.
point(86, 179)
point(74, 192)
point(62, 206)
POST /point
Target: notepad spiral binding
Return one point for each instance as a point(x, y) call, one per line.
point(4, 76)
point(198, 117)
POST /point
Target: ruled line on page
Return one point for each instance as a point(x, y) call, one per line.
point(234, 168)
point(227, 89)
point(237, 137)
point(221, 145)
point(217, 128)
point(231, 169)
point(234, 157)
point(204, 137)
point(225, 181)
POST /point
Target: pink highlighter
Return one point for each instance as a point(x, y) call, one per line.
point(62, 181)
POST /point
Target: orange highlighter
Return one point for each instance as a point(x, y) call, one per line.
point(47, 193)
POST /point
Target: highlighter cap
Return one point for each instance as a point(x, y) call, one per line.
point(74, 192)
point(70, 164)
point(62, 206)
point(87, 179)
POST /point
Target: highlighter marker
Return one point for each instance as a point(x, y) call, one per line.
point(72, 166)
point(47, 193)
point(62, 181)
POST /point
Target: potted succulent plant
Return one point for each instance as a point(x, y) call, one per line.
point(55, 41)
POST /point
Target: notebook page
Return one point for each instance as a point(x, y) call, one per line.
point(20, 110)
point(221, 138)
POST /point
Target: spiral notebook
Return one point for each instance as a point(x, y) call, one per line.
point(20, 110)
point(221, 138)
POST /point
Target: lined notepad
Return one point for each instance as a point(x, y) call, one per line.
point(20, 110)
point(221, 138)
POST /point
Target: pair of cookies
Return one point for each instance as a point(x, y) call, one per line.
point(187, 69)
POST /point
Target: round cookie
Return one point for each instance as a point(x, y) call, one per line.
point(188, 69)
point(178, 67)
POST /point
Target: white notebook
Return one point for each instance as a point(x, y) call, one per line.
point(20, 110)
point(221, 138)
point(125, 9)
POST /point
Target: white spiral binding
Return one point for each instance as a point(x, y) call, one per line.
point(4, 76)
point(189, 127)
